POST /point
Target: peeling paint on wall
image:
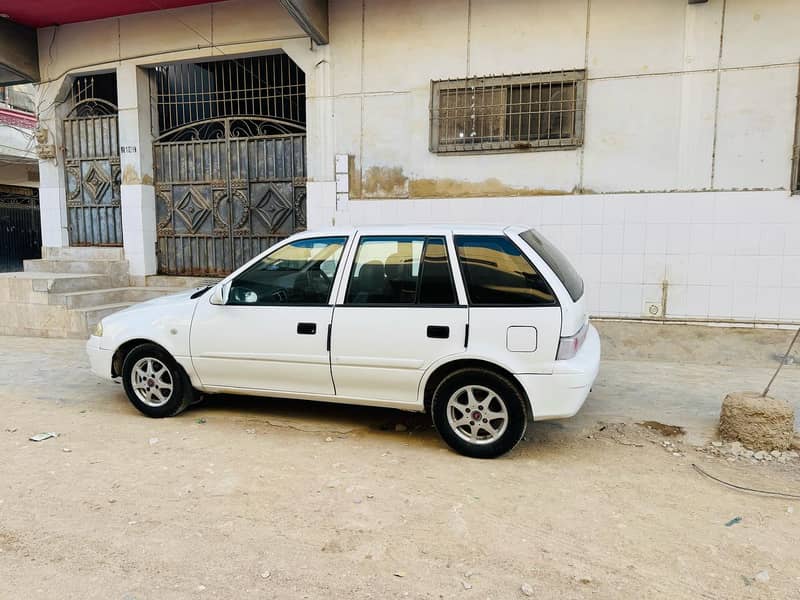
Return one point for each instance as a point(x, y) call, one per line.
point(131, 177)
point(385, 182)
point(453, 188)
point(354, 177)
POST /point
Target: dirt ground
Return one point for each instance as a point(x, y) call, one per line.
point(247, 497)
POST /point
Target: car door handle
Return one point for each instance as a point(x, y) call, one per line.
point(438, 331)
point(307, 328)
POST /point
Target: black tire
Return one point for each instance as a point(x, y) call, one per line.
point(163, 401)
point(490, 440)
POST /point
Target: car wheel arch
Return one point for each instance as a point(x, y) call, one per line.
point(440, 372)
point(123, 349)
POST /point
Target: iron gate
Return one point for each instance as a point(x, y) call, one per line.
point(226, 189)
point(20, 229)
point(91, 158)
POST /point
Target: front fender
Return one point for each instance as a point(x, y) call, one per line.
point(164, 321)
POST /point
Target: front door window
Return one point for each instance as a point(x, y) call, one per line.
point(299, 273)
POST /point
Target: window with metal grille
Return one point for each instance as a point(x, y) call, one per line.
point(536, 111)
point(265, 86)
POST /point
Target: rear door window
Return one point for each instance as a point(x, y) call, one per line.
point(401, 270)
point(556, 260)
point(497, 273)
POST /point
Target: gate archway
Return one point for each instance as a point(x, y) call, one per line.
point(230, 171)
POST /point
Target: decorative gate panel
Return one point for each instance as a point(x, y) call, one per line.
point(91, 158)
point(226, 189)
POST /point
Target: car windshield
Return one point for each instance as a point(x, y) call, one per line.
point(556, 260)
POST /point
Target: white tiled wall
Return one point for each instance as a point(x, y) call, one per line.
point(724, 255)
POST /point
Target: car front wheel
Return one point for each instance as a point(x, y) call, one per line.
point(155, 383)
point(479, 413)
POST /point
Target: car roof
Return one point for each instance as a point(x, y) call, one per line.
point(415, 229)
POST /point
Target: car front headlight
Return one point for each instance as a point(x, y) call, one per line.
point(98, 330)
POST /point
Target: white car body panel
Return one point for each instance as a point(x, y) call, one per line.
point(382, 352)
point(258, 347)
point(379, 355)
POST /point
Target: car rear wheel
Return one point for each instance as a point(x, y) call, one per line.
point(479, 413)
point(155, 383)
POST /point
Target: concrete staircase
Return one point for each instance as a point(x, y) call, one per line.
point(68, 291)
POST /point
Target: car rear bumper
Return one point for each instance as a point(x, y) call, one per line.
point(562, 394)
point(99, 359)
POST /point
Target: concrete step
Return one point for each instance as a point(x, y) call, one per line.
point(86, 299)
point(56, 282)
point(91, 315)
point(112, 253)
point(178, 281)
point(116, 268)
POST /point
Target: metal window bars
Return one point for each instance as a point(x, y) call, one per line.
point(535, 111)
point(98, 86)
point(265, 86)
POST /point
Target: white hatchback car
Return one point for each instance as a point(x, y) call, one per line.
point(485, 327)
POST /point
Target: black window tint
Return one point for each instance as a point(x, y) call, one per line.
point(298, 273)
point(556, 260)
point(497, 273)
point(436, 282)
point(385, 271)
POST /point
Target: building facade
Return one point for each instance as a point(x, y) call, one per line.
point(653, 140)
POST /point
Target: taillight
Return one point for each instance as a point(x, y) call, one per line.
point(568, 346)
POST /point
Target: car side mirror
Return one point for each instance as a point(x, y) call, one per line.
point(219, 295)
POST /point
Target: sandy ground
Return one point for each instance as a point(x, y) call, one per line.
point(246, 497)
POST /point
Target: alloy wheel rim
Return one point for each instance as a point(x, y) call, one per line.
point(151, 381)
point(477, 414)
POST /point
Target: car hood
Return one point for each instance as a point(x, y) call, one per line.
point(170, 299)
point(164, 320)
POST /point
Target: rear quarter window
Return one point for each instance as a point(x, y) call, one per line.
point(556, 260)
point(497, 273)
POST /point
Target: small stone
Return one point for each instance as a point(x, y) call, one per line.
point(467, 585)
point(585, 580)
point(399, 573)
point(762, 577)
point(250, 431)
point(11, 429)
point(747, 453)
point(676, 454)
point(400, 427)
point(526, 589)
point(265, 575)
point(716, 444)
point(200, 588)
point(112, 500)
point(775, 453)
point(790, 509)
point(760, 455)
point(153, 441)
point(329, 439)
point(66, 450)
point(370, 496)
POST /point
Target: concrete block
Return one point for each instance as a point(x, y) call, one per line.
point(758, 422)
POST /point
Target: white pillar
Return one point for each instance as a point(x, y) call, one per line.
point(136, 165)
point(52, 192)
point(52, 205)
point(321, 184)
